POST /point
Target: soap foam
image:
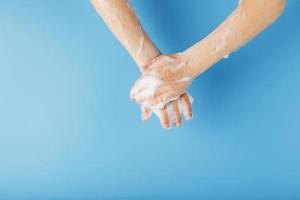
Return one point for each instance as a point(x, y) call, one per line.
point(184, 109)
point(226, 56)
point(141, 45)
point(180, 65)
point(146, 87)
point(101, 2)
point(152, 84)
point(171, 114)
point(115, 16)
point(169, 59)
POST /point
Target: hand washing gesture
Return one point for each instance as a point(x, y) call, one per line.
point(166, 79)
point(118, 15)
point(163, 84)
point(170, 112)
point(169, 76)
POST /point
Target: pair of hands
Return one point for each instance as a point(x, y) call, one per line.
point(162, 89)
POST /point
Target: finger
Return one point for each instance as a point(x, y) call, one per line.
point(161, 90)
point(176, 113)
point(146, 113)
point(164, 119)
point(154, 102)
point(187, 107)
point(161, 98)
point(145, 97)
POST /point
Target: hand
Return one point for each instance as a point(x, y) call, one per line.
point(172, 112)
point(166, 79)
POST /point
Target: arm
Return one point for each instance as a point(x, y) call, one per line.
point(174, 73)
point(249, 19)
point(123, 22)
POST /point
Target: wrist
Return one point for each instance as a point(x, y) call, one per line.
point(190, 70)
point(147, 57)
point(200, 57)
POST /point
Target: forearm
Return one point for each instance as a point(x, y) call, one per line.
point(123, 22)
point(247, 20)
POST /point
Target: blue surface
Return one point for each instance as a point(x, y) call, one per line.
point(69, 131)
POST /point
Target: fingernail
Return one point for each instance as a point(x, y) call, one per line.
point(144, 117)
point(131, 96)
point(189, 117)
point(166, 126)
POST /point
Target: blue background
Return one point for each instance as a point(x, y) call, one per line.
point(69, 131)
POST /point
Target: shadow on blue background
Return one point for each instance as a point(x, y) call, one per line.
point(69, 131)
